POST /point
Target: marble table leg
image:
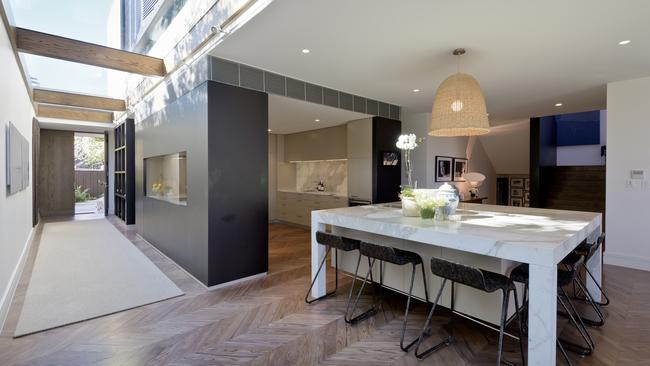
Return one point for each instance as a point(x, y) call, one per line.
point(542, 316)
point(317, 253)
point(595, 266)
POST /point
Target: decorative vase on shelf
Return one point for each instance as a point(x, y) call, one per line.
point(448, 192)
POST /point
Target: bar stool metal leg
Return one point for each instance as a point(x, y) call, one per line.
point(502, 326)
point(589, 299)
point(367, 313)
point(577, 322)
point(427, 323)
point(336, 265)
point(408, 305)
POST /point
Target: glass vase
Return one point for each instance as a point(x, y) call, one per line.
point(428, 213)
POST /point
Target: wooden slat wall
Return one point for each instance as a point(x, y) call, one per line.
point(56, 173)
point(78, 100)
point(49, 45)
point(77, 114)
point(89, 179)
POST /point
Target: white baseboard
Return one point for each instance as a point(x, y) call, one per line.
point(628, 261)
point(8, 295)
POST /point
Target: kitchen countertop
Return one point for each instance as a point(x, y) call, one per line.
point(317, 193)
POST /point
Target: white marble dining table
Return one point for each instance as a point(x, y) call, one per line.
point(539, 237)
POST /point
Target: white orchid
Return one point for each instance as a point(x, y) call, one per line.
point(407, 142)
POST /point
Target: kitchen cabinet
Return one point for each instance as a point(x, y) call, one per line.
point(324, 144)
point(296, 207)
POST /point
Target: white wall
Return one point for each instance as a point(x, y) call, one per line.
point(628, 208)
point(584, 154)
point(508, 146)
point(424, 156)
point(15, 210)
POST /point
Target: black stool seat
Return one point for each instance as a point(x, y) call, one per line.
point(479, 279)
point(332, 242)
point(470, 276)
point(337, 242)
point(520, 274)
point(394, 256)
point(589, 249)
point(388, 254)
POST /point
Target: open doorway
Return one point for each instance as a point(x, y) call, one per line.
point(89, 173)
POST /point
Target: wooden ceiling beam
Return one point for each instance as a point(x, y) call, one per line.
point(78, 100)
point(76, 114)
point(48, 45)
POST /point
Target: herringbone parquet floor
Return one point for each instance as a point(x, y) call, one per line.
point(266, 322)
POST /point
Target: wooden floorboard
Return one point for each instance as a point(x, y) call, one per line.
point(265, 321)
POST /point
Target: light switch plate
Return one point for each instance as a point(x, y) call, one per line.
point(637, 174)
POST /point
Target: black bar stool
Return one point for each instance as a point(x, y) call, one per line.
point(398, 257)
point(333, 242)
point(588, 250)
point(481, 280)
point(564, 278)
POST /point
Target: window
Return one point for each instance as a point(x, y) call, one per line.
point(166, 178)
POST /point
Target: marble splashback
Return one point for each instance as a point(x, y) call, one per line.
point(333, 173)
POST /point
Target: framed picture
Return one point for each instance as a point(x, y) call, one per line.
point(517, 192)
point(527, 184)
point(460, 168)
point(517, 182)
point(444, 171)
point(526, 197)
point(390, 158)
point(517, 202)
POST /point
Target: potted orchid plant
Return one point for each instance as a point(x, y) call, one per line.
point(407, 143)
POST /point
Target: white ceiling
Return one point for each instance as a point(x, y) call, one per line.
point(288, 115)
point(527, 55)
point(71, 125)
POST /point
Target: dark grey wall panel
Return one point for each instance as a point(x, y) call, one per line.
point(251, 78)
point(346, 101)
point(383, 110)
point(225, 71)
point(394, 112)
point(314, 93)
point(371, 107)
point(181, 232)
point(295, 88)
point(359, 104)
point(274, 83)
point(331, 97)
point(238, 181)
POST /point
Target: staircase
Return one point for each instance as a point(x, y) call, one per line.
point(578, 188)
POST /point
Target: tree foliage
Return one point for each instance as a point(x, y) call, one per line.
point(88, 152)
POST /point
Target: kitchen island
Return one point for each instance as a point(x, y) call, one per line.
point(495, 238)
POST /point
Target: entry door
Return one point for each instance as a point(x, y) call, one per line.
point(106, 173)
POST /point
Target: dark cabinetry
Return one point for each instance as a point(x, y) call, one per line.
point(125, 171)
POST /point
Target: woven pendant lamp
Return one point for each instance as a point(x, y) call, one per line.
point(459, 107)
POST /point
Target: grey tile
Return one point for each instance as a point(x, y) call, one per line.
point(330, 97)
point(225, 71)
point(251, 77)
point(296, 89)
point(274, 83)
point(359, 104)
point(314, 93)
point(383, 110)
point(346, 101)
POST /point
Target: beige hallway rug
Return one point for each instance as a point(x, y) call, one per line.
point(86, 269)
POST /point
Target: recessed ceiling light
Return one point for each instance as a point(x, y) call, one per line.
point(316, 120)
point(623, 43)
point(416, 90)
point(269, 130)
point(305, 50)
point(558, 104)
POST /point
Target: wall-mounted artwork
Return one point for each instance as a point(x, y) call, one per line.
point(460, 168)
point(517, 182)
point(17, 160)
point(517, 202)
point(444, 170)
point(517, 192)
point(390, 158)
